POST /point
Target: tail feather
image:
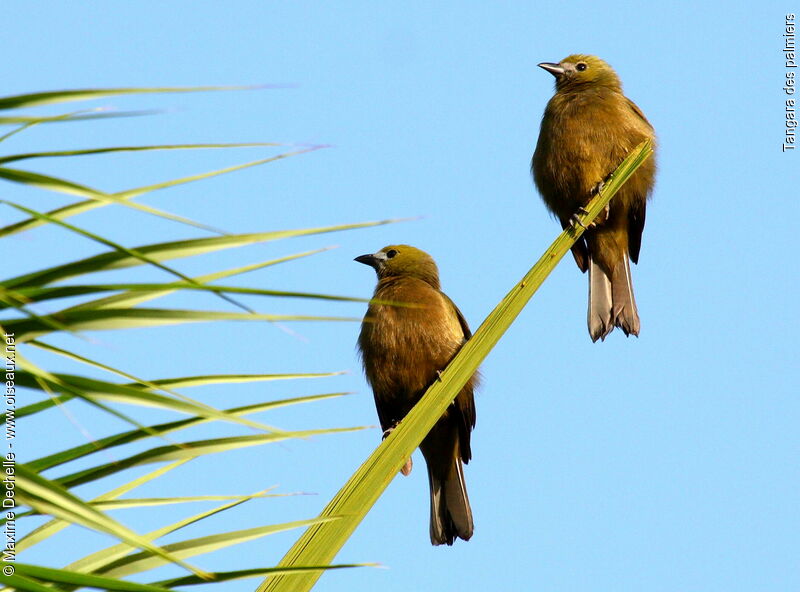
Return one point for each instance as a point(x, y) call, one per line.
point(451, 515)
point(599, 317)
point(624, 312)
point(611, 300)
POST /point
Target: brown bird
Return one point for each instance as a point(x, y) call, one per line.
point(403, 349)
point(588, 128)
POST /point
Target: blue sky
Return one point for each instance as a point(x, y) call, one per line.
point(668, 462)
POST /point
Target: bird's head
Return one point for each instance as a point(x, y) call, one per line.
point(403, 261)
point(580, 71)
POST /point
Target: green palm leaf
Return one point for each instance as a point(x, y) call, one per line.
point(65, 456)
point(49, 497)
point(63, 576)
point(133, 395)
point(113, 318)
point(227, 576)
point(63, 96)
point(130, 299)
point(115, 149)
point(189, 450)
point(122, 196)
point(51, 527)
point(119, 555)
point(165, 251)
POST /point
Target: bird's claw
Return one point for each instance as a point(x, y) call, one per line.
point(439, 375)
point(602, 217)
point(389, 430)
point(576, 219)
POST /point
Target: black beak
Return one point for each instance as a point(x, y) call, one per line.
point(370, 260)
point(554, 69)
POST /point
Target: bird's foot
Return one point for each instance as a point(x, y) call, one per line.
point(389, 430)
point(602, 217)
point(576, 218)
point(439, 375)
point(598, 188)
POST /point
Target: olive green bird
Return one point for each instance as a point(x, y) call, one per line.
point(404, 345)
point(588, 128)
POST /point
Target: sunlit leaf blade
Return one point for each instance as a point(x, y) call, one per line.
point(32, 295)
point(210, 379)
point(29, 124)
point(15, 300)
point(51, 527)
point(118, 555)
point(132, 395)
point(165, 384)
point(49, 497)
point(115, 149)
point(227, 576)
point(70, 454)
point(63, 96)
point(117, 558)
point(131, 299)
point(102, 560)
point(23, 584)
point(35, 407)
point(137, 381)
point(144, 561)
point(122, 196)
point(84, 116)
point(48, 403)
point(166, 251)
point(119, 248)
point(45, 378)
point(57, 185)
point(63, 576)
point(189, 450)
point(147, 502)
point(321, 542)
point(49, 183)
point(112, 318)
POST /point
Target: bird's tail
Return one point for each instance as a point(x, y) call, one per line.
point(600, 303)
point(611, 300)
point(451, 515)
point(624, 313)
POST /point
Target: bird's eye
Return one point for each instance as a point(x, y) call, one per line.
point(581, 67)
point(390, 253)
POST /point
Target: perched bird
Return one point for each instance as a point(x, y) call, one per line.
point(404, 344)
point(588, 128)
